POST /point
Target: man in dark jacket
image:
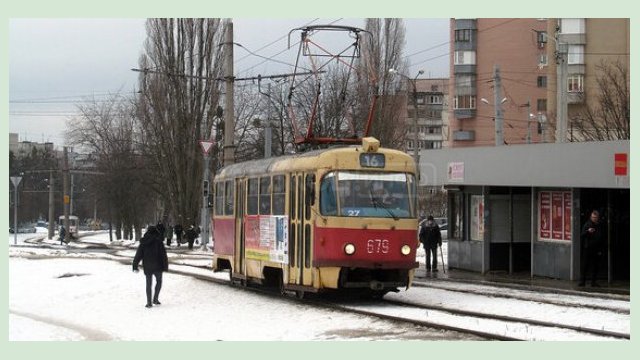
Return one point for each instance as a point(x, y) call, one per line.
point(593, 237)
point(154, 260)
point(178, 230)
point(191, 235)
point(430, 237)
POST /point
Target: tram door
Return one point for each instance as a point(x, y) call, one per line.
point(238, 249)
point(300, 230)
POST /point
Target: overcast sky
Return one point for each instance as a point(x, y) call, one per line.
point(54, 63)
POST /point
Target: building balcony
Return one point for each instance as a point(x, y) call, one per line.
point(464, 113)
point(464, 135)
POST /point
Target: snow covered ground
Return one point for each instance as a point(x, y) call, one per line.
point(89, 298)
point(84, 296)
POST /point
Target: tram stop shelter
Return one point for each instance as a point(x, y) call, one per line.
point(520, 208)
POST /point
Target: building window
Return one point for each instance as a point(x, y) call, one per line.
point(464, 102)
point(433, 114)
point(542, 81)
point(419, 99)
point(464, 58)
point(434, 88)
point(575, 83)
point(465, 80)
point(463, 35)
point(572, 26)
point(435, 99)
point(543, 60)
point(575, 55)
point(541, 38)
point(542, 105)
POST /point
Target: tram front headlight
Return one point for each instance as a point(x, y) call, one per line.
point(406, 249)
point(349, 249)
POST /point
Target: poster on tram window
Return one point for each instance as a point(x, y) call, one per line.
point(567, 215)
point(267, 238)
point(545, 214)
point(557, 215)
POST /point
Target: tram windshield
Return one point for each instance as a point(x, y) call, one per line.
point(366, 194)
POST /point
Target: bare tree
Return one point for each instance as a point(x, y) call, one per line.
point(178, 105)
point(108, 129)
point(381, 52)
point(609, 117)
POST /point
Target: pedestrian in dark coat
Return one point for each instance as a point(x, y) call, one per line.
point(191, 235)
point(169, 234)
point(431, 238)
point(593, 238)
point(154, 261)
point(178, 230)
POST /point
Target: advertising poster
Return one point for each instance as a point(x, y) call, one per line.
point(455, 172)
point(567, 215)
point(557, 213)
point(267, 238)
point(545, 214)
point(477, 217)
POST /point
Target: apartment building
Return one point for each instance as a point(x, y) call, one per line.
point(510, 53)
point(430, 109)
point(591, 44)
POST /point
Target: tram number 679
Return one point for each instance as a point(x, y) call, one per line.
point(377, 246)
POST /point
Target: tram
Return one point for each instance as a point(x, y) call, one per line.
point(337, 219)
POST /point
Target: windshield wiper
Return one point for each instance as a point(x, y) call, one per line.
point(376, 202)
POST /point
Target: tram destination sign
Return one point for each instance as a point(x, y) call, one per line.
point(372, 160)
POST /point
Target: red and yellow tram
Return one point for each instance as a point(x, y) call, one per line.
point(341, 218)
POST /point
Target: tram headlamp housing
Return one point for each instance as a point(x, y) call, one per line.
point(405, 250)
point(349, 249)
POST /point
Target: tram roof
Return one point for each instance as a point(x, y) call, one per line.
point(262, 166)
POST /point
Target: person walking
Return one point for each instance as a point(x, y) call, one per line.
point(593, 239)
point(169, 235)
point(431, 238)
point(154, 261)
point(178, 230)
point(191, 235)
point(62, 233)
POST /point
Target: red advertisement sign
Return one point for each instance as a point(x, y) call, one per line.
point(557, 213)
point(567, 215)
point(545, 215)
point(620, 164)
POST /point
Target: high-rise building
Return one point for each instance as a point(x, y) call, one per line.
point(591, 46)
point(431, 109)
point(498, 86)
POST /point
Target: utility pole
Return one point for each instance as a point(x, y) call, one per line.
point(267, 130)
point(229, 123)
point(561, 93)
point(497, 99)
point(65, 192)
point(52, 212)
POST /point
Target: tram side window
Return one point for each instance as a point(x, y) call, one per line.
point(219, 198)
point(228, 201)
point(265, 196)
point(278, 195)
point(252, 199)
point(328, 205)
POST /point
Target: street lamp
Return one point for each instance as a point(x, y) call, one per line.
point(416, 155)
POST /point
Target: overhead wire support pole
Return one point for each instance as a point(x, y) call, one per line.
point(229, 116)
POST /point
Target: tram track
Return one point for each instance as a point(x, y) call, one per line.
point(494, 291)
point(387, 309)
point(509, 320)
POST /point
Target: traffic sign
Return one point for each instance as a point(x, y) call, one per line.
point(206, 146)
point(16, 180)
